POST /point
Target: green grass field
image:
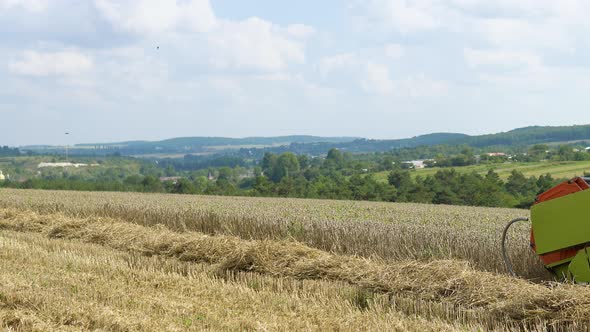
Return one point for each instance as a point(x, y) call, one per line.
point(558, 169)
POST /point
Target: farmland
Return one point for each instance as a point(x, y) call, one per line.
point(119, 261)
point(557, 169)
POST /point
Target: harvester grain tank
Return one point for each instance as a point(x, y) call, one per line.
point(560, 230)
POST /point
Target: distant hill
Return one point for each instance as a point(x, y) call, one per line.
point(223, 141)
point(529, 136)
point(189, 145)
point(316, 145)
point(517, 138)
point(370, 145)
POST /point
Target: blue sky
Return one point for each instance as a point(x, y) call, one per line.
point(371, 68)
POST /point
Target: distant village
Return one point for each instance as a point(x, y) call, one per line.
point(423, 163)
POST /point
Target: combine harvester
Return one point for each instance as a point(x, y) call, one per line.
point(560, 232)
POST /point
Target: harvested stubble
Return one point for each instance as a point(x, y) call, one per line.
point(491, 299)
point(387, 230)
point(60, 285)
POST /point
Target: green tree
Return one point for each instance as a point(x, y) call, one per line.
point(388, 163)
point(363, 188)
point(183, 186)
point(517, 183)
point(524, 190)
point(538, 152)
point(151, 183)
point(286, 165)
point(200, 184)
point(268, 164)
point(402, 181)
point(170, 171)
point(420, 192)
point(303, 161)
point(133, 180)
point(545, 182)
point(286, 187)
point(262, 186)
point(335, 158)
point(225, 173)
point(565, 152)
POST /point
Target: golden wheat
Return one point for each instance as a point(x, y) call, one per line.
point(125, 262)
point(387, 230)
point(453, 286)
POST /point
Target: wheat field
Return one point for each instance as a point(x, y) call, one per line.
point(140, 262)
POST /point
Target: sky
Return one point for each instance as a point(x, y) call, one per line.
point(114, 70)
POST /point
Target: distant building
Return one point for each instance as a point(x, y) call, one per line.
point(416, 164)
point(2, 177)
point(496, 154)
point(210, 176)
point(173, 179)
point(43, 165)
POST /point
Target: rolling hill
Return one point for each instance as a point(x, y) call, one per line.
point(317, 145)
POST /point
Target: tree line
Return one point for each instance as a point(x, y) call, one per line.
point(6, 151)
point(338, 176)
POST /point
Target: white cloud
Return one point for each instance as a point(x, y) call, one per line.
point(517, 60)
point(30, 5)
point(525, 34)
point(215, 64)
point(371, 72)
point(503, 40)
point(402, 15)
point(337, 62)
point(253, 44)
point(35, 63)
point(193, 28)
point(394, 51)
point(387, 53)
point(300, 30)
point(158, 16)
point(421, 86)
point(545, 24)
point(376, 79)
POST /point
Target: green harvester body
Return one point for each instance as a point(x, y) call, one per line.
point(560, 232)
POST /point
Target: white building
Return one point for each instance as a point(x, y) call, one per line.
point(43, 165)
point(2, 177)
point(416, 164)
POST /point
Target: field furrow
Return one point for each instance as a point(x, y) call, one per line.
point(491, 299)
point(61, 285)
